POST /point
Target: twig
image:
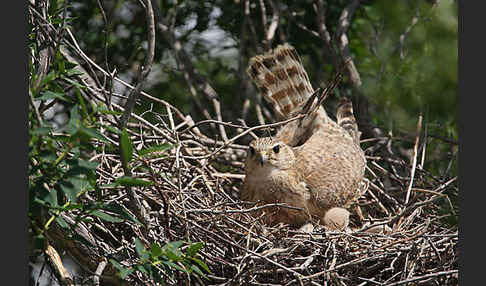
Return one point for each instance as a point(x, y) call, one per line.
point(414, 158)
point(211, 211)
point(323, 31)
point(210, 121)
point(274, 23)
point(292, 14)
point(36, 111)
point(245, 133)
point(61, 272)
point(343, 43)
point(264, 22)
point(91, 62)
point(99, 271)
point(416, 278)
point(144, 70)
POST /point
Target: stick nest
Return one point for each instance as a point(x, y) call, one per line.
point(194, 197)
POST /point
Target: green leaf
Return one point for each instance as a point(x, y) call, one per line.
point(105, 216)
point(131, 182)
point(73, 186)
point(93, 133)
point(117, 209)
point(156, 148)
point(52, 95)
point(201, 263)
point(109, 186)
point(141, 268)
point(45, 196)
point(155, 250)
point(194, 248)
point(75, 83)
point(74, 122)
point(174, 266)
point(62, 223)
point(69, 190)
point(123, 271)
point(84, 109)
point(141, 251)
point(198, 271)
point(126, 147)
point(49, 77)
point(92, 165)
point(40, 131)
point(172, 256)
point(73, 71)
point(174, 245)
point(112, 129)
point(104, 110)
point(47, 156)
point(72, 206)
point(172, 251)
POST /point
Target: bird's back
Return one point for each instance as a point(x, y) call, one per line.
point(332, 165)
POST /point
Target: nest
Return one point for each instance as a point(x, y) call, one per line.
point(194, 197)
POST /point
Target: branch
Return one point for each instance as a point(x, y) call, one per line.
point(343, 42)
point(323, 32)
point(59, 269)
point(416, 278)
point(414, 158)
point(191, 75)
point(249, 130)
point(99, 271)
point(264, 23)
point(274, 24)
point(144, 70)
point(92, 83)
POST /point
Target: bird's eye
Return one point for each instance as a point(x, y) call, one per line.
point(252, 150)
point(276, 148)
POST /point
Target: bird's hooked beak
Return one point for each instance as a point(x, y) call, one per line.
point(262, 158)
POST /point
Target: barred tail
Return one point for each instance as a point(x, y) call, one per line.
point(345, 118)
point(281, 79)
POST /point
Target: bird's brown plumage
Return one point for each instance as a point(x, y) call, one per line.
point(318, 164)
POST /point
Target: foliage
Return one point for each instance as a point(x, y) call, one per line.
point(62, 169)
point(157, 260)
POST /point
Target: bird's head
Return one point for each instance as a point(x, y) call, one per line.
point(269, 152)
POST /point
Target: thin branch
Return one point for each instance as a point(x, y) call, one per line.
point(253, 209)
point(99, 271)
point(414, 158)
point(404, 35)
point(343, 42)
point(61, 273)
point(75, 45)
point(145, 69)
point(243, 134)
point(191, 75)
point(323, 31)
point(274, 22)
point(426, 276)
point(263, 13)
point(36, 111)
